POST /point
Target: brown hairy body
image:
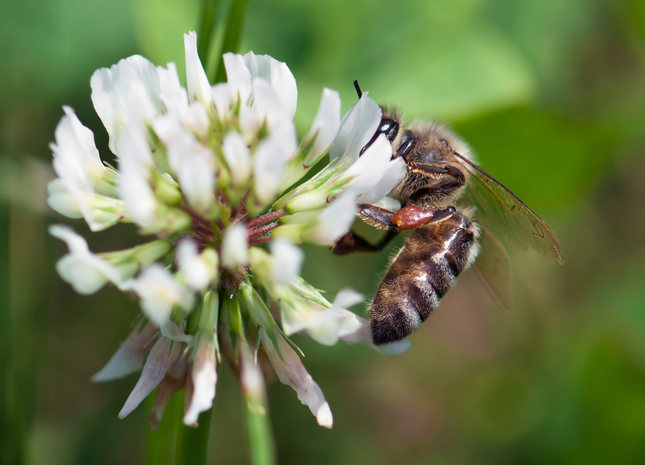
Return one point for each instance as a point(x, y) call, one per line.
point(420, 275)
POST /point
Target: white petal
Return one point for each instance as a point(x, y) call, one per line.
point(172, 94)
point(157, 364)
point(393, 174)
point(160, 292)
point(270, 159)
point(85, 271)
point(287, 261)
point(222, 99)
point(324, 325)
point(356, 129)
point(324, 416)
point(327, 121)
point(194, 165)
point(336, 219)
point(85, 278)
point(268, 105)
point(195, 119)
point(127, 93)
point(249, 122)
point(196, 80)
point(235, 246)
point(370, 167)
point(237, 156)
point(129, 357)
point(292, 372)
point(348, 298)
point(204, 375)
point(62, 200)
point(197, 273)
point(76, 148)
point(278, 75)
point(167, 127)
point(135, 163)
point(82, 175)
point(238, 76)
point(389, 203)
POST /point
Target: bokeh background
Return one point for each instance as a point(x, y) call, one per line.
point(551, 95)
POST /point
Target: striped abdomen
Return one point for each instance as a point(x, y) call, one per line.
point(420, 275)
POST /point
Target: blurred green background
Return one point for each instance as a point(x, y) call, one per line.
point(550, 94)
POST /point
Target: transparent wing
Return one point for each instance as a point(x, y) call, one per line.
point(493, 268)
point(506, 216)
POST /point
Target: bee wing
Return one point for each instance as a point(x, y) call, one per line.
point(493, 268)
point(507, 217)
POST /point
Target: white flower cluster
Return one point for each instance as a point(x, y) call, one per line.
point(210, 171)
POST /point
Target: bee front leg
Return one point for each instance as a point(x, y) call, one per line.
point(375, 216)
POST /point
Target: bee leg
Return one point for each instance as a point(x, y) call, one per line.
point(375, 216)
point(352, 242)
point(412, 216)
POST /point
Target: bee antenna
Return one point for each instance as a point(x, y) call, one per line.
point(358, 88)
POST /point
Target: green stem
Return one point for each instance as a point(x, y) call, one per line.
point(194, 441)
point(164, 444)
point(206, 30)
point(11, 403)
point(232, 35)
point(260, 434)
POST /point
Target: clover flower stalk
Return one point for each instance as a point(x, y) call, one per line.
point(211, 175)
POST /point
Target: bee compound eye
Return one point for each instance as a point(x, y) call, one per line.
point(406, 147)
point(389, 127)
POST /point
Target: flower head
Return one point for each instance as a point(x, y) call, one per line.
point(210, 171)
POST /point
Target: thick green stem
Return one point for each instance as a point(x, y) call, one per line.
point(194, 441)
point(163, 444)
point(258, 424)
point(232, 35)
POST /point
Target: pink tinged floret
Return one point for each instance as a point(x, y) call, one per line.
point(174, 380)
point(292, 372)
point(159, 360)
point(129, 357)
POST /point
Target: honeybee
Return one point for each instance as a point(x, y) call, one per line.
point(461, 216)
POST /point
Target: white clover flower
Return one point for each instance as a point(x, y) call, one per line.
point(161, 357)
point(160, 292)
point(129, 357)
point(204, 379)
point(85, 187)
point(198, 270)
point(210, 171)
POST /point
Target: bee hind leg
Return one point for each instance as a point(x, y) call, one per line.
point(411, 217)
